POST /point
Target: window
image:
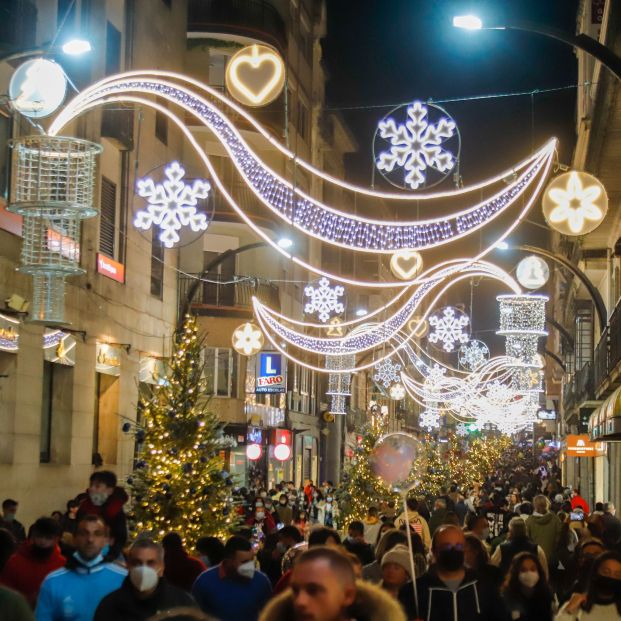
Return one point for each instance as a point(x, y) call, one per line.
point(113, 49)
point(157, 266)
point(584, 337)
point(107, 218)
point(161, 123)
point(45, 438)
point(221, 371)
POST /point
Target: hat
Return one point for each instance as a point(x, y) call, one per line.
point(399, 555)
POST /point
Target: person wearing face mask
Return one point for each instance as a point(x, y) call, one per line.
point(283, 511)
point(584, 555)
point(26, 569)
point(209, 550)
point(74, 592)
point(234, 589)
point(145, 591)
point(327, 511)
point(9, 522)
point(526, 593)
point(261, 520)
point(602, 600)
point(104, 497)
point(449, 591)
point(476, 557)
point(356, 544)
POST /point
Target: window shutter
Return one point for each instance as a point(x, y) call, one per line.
point(107, 217)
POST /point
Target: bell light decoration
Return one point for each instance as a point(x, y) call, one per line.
point(255, 75)
point(575, 203)
point(37, 88)
point(53, 190)
point(532, 272)
point(248, 339)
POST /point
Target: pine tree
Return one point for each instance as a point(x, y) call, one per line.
point(360, 487)
point(179, 483)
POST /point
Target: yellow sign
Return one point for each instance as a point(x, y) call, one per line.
point(255, 75)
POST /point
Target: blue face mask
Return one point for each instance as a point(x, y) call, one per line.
point(105, 550)
point(205, 560)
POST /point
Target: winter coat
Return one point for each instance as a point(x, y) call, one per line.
point(577, 502)
point(181, 569)
point(474, 600)
point(437, 519)
point(545, 530)
point(113, 515)
point(24, 572)
point(15, 528)
point(418, 524)
point(124, 604)
point(14, 607)
point(504, 553)
point(597, 613)
point(74, 592)
point(371, 604)
point(284, 514)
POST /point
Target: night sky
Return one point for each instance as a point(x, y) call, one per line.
point(382, 53)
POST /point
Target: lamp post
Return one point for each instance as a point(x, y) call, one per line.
point(580, 41)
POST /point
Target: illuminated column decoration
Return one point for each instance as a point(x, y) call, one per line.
point(52, 189)
point(522, 323)
point(339, 384)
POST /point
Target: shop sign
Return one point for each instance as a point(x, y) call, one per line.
point(152, 371)
point(9, 335)
point(254, 436)
point(271, 373)
point(581, 446)
point(110, 268)
point(59, 347)
point(108, 359)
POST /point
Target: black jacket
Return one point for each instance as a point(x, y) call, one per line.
point(123, 605)
point(513, 547)
point(474, 600)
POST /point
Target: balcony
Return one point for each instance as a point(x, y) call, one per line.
point(255, 19)
point(601, 362)
point(608, 356)
point(221, 297)
point(579, 390)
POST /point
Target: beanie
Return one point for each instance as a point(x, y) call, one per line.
point(399, 555)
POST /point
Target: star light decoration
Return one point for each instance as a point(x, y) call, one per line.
point(575, 203)
point(448, 327)
point(171, 205)
point(324, 300)
point(248, 339)
point(473, 354)
point(416, 145)
point(387, 373)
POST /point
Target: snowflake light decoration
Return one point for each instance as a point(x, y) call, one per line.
point(429, 419)
point(462, 430)
point(324, 299)
point(473, 354)
point(397, 392)
point(172, 204)
point(448, 327)
point(417, 145)
point(387, 373)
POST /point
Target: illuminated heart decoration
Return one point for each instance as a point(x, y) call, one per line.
point(256, 58)
point(406, 264)
point(417, 327)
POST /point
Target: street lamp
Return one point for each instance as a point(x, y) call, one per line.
point(76, 47)
point(581, 41)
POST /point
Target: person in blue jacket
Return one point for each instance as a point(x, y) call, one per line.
point(74, 592)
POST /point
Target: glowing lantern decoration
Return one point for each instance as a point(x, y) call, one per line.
point(255, 75)
point(575, 203)
point(253, 452)
point(282, 452)
point(248, 339)
point(37, 87)
point(532, 272)
point(397, 392)
point(406, 264)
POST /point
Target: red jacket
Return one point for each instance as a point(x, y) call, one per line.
point(112, 513)
point(181, 569)
point(24, 573)
point(578, 501)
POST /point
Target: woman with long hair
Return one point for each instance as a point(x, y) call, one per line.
point(602, 601)
point(525, 592)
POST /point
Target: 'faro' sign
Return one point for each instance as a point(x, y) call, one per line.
point(271, 373)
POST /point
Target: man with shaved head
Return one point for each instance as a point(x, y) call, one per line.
point(324, 588)
point(449, 590)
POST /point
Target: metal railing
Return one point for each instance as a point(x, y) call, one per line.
point(218, 291)
point(614, 330)
point(253, 18)
point(601, 359)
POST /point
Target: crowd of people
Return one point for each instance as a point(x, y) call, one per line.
point(517, 546)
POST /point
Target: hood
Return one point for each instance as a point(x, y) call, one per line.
point(544, 519)
point(372, 604)
point(25, 550)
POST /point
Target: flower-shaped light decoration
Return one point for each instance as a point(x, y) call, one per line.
point(397, 392)
point(248, 339)
point(575, 203)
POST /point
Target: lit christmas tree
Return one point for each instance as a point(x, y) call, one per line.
point(179, 483)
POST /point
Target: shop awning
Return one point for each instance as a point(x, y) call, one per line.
point(605, 421)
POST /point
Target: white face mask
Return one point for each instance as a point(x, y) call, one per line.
point(98, 498)
point(529, 578)
point(143, 578)
point(259, 515)
point(246, 570)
